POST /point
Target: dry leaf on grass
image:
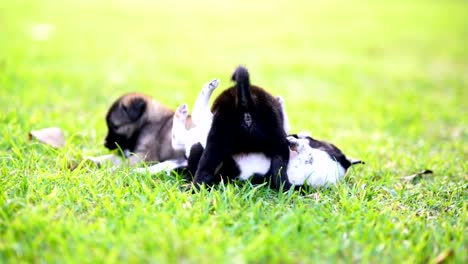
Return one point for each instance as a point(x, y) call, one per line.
point(52, 136)
point(72, 165)
point(417, 176)
point(443, 257)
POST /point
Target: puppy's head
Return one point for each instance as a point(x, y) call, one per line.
point(297, 144)
point(124, 120)
point(333, 151)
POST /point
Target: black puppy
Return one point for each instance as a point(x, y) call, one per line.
point(246, 119)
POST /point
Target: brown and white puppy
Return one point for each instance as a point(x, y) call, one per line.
point(140, 125)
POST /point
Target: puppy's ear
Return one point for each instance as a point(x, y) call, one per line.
point(294, 135)
point(136, 109)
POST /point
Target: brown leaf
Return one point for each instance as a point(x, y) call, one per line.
point(72, 165)
point(443, 256)
point(417, 176)
point(52, 136)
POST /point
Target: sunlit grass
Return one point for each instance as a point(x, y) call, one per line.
point(385, 81)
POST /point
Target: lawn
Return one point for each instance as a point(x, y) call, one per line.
point(386, 81)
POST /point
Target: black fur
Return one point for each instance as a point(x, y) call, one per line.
point(114, 141)
point(196, 151)
point(333, 151)
point(226, 171)
point(136, 109)
point(246, 119)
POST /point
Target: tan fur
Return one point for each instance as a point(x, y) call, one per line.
point(148, 138)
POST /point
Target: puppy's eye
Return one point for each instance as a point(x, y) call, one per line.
point(293, 146)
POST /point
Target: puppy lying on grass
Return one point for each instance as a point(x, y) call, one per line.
point(141, 129)
point(187, 130)
point(312, 162)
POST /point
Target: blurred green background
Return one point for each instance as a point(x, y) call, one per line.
point(367, 67)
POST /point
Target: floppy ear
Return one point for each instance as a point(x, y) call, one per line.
point(136, 109)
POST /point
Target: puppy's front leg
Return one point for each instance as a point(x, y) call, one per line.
point(196, 151)
point(166, 166)
point(286, 125)
point(111, 158)
point(179, 131)
point(279, 165)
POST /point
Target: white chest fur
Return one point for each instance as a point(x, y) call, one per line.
point(252, 163)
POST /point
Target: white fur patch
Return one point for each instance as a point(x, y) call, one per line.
point(201, 117)
point(179, 132)
point(252, 163)
point(314, 167)
point(198, 134)
point(309, 166)
point(166, 166)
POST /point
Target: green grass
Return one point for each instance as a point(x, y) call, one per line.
point(386, 81)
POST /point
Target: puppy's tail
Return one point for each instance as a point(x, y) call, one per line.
point(242, 79)
point(355, 161)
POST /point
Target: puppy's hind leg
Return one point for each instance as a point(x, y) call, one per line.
point(166, 166)
point(179, 131)
point(218, 147)
point(286, 125)
point(201, 110)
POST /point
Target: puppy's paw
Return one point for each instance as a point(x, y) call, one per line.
point(140, 170)
point(280, 100)
point(181, 112)
point(212, 85)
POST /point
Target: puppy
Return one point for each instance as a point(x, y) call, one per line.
point(312, 162)
point(184, 137)
point(139, 125)
point(246, 119)
point(316, 163)
point(201, 117)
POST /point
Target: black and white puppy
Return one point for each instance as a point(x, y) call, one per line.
point(246, 119)
point(312, 162)
point(183, 137)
